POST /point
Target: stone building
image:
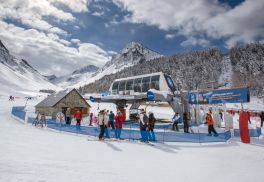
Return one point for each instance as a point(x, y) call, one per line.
point(60, 101)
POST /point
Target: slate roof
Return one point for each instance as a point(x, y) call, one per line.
point(53, 99)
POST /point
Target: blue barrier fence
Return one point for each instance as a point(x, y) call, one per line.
point(252, 132)
point(131, 131)
point(19, 112)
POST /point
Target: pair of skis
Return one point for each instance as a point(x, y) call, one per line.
point(121, 140)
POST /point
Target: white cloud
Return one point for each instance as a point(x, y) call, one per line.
point(97, 13)
point(43, 45)
point(192, 18)
point(192, 41)
point(32, 13)
point(49, 53)
point(76, 6)
point(75, 41)
point(169, 36)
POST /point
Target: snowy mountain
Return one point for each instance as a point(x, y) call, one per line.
point(133, 54)
point(17, 76)
point(76, 78)
point(188, 69)
point(86, 69)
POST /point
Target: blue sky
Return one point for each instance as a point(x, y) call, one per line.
point(59, 36)
point(116, 36)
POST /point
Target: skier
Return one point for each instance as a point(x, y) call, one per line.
point(221, 115)
point(210, 122)
point(176, 119)
point(78, 117)
point(102, 124)
point(249, 121)
point(185, 123)
point(43, 121)
point(36, 120)
point(95, 120)
point(262, 118)
point(91, 119)
point(143, 121)
point(106, 113)
point(68, 116)
point(111, 120)
point(151, 125)
point(119, 119)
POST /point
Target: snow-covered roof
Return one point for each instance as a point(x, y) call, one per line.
point(53, 99)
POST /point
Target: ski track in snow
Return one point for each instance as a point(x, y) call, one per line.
point(227, 73)
point(31, 154)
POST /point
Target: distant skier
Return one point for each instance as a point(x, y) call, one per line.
point(210, 122)
point(176, 119)
point(249, 121)
point(119, 119)
point(43, 120)
point(78, 117)
point(143, 121)
point(151, 124)
point(102, 124)
point(111, 120)
point(68, 116)
point(91, 119)
point(262, 118)
point(95, 120)
point(185, 123)
point(106, 113)
point(36, 120)
point(221, 115)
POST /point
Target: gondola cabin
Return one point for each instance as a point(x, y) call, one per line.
point(142, 83)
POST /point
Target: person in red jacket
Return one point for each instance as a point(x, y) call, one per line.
point(78, 117)
point(119, 119)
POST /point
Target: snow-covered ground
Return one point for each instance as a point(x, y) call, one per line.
point(31, 154)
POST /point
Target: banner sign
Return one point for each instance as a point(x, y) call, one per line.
point(236, 95)
point(91, 99)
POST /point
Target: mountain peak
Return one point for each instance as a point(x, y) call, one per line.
point(86, 69)
point(3, 46)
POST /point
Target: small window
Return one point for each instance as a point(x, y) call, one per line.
point(137, 85)
point(145, 84)
point(115, 86)
point(170, 83)
point(130, 85)
point(122, 86)
point(154, 84)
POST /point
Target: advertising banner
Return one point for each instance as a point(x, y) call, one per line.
point(236, 95)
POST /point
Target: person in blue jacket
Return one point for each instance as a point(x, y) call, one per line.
point(111, 120)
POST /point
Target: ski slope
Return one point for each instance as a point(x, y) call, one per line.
point(33, 154)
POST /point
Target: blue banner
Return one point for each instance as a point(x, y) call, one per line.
point(236, 95)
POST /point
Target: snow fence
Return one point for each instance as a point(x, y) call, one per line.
point(131, 131)
point(252, 132)
point(19, 112)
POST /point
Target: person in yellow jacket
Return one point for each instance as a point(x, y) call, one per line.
point(210, 122)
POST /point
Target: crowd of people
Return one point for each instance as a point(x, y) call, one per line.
point(106, 120)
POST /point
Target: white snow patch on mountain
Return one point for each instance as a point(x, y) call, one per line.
point(17, 76)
